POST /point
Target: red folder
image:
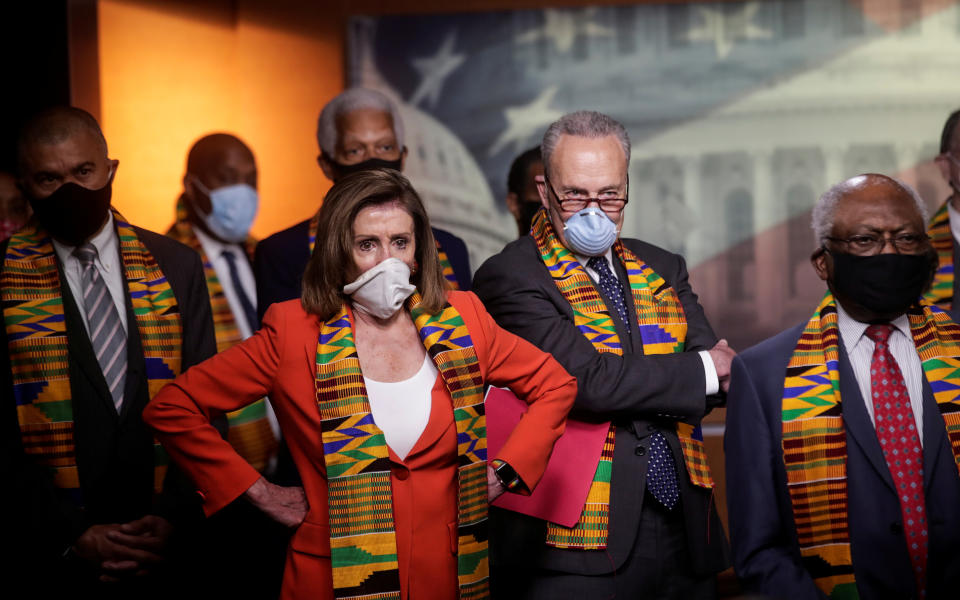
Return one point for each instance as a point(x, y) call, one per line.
point(561, 493)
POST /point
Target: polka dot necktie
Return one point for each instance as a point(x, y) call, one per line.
point(897, 432)
point(661, 470)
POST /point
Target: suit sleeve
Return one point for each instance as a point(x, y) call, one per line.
point(766, 556)
point(275, 272)
point(199, 339)
point(181, 413)
point(534, 376)
point(525, 301)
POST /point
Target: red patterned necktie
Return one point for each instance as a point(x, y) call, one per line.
point(897, 432)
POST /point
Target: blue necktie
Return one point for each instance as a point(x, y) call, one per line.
point(661, 470)
point(250, 313)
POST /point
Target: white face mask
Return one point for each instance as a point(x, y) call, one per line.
point(382, 290)
point(233, 209)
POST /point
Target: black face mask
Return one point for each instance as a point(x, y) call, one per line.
point(73, 213)
point(341, 170)
point(886, 284)
point(527, 211)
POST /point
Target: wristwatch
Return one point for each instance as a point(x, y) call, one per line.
point(507, 475)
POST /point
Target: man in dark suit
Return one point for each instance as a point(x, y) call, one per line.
point(841, 478)
point(577, 291)
point(944, 228)
point(359, 129)
point(98, 315)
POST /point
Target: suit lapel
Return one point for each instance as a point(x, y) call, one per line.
point(858, 421)
point(136, 367)
point(934, 430)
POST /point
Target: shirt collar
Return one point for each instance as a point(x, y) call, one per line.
point(214, 248)
point(851, 330)
point(105, 242)
point(954, 219)
point(583, 260)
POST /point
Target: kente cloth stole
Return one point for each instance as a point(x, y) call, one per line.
point(249, 430)
point(663, 330)
point(814, 438)
point(447, 267)
point(941, 238)
point(362, 536)
point(39, 357)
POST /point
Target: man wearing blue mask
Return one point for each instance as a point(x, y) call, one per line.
point(214, 214)
point(358, 130)
point(620, 316)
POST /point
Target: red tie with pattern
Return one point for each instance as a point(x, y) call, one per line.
point(897, 432)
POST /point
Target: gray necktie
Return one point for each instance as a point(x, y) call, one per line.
point(107, 336)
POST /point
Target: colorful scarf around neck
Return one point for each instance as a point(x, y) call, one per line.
point(445, 264)
point(362, 535)
point(249, 430)
point(39, 357)
point(663, 330)
point(814, 438)
point(941, 238)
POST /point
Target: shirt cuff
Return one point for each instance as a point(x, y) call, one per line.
point(710, 373)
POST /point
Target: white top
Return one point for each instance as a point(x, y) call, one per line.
point(214, 250)
point(859, 348)
point(401, 409)
point(107, 265)
point(709, 369)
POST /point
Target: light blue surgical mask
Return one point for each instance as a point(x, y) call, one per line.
point(589, 232)
point(234, 208)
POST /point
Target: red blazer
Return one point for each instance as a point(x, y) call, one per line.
point(279, 361)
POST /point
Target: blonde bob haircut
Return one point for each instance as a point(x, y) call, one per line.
point(331, 263)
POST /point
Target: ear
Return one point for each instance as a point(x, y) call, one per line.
point(189, 189)
point(403, 158)
point(513, 205)
point(943, 163)
point(819, 261)
point(542, 190)
point(326, 166)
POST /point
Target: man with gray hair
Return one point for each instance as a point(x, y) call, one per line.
point(841, 442)
point(619, 315)
point(358, 130)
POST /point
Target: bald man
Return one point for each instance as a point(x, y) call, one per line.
point(99, 315)
point(842, 478)
point(214, 216)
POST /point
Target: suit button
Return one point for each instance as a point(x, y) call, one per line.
point(896, 528)
point(640, 450)
point(401, 473)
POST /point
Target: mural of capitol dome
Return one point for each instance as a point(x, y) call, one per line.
point(453, 187)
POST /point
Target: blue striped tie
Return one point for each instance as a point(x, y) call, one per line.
point(661, 469)
point(107, 336)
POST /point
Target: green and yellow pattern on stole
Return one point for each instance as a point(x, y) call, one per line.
point(663, 330)
point(37, 340)
point(249, 430)
point(362, 536)
point(814, 438)
point(941, 238)
point(447, 267)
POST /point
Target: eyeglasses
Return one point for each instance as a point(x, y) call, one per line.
point(869, 243)
point(578, 204)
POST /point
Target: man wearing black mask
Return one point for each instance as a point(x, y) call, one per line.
point(840, 444)
point(98, 316)
point(523, 199)
point(358, 130)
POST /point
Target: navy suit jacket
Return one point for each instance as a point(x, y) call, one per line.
point(762, 529)
point(281, 259)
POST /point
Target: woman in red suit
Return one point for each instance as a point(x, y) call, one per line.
point(377, 378)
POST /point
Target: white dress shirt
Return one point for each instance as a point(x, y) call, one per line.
point(709, 369)
point(401, 409)
point(859, 349)
point(214, 250)
point(954, 220)
point(107, 264)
